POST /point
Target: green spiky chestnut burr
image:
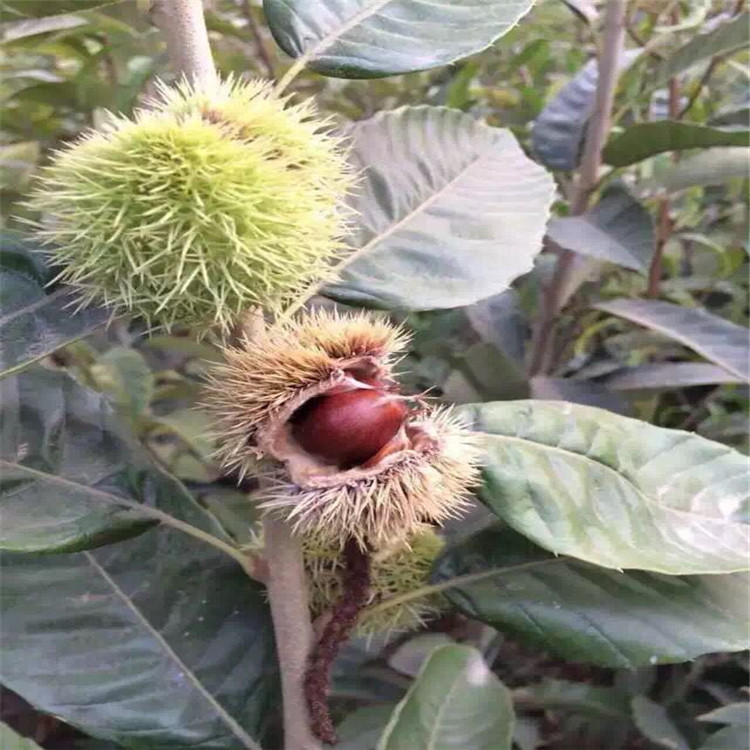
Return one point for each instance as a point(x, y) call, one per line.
point(198, 207)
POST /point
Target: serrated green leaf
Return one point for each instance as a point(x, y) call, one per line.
point(716, 339)
point(586, 613)
point(155, 642)
point(612, 490)
point(647, 139)
point(35, 318)
point(64, 465)
point(374, 38)
point(456, 703)
point(450, 211)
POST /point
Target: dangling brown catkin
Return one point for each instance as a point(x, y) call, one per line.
point(355, 592)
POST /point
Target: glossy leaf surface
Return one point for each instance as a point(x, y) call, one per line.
point(155, 642)
point(35, 318)
point(456, 703)
point(586, 613)
point(612, 490)
point(373, 38)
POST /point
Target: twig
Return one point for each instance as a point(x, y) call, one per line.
point(184, 29)
point(260, 43)
point(287, 593)
point(700, 86)
point(612, 46)
point(664, 222)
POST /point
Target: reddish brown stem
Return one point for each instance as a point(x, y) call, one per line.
point(355, 590)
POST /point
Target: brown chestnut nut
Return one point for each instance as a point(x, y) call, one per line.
point(351, 427)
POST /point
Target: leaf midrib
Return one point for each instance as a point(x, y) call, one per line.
point(622, 477)
point(228, 720)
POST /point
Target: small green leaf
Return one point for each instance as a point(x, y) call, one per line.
point(35, 318)
point(43, 8)
point(9, 740)
point(156, 642)
point(618, 230)
point(654, 724)
point(574, 697)
point(373, 38)
point(14, 30)
point(456, 703)
point(724, 343)
point(612, 490)
point(722, 40)
point(124, 374)
point(647, 139)
point(585, 613)
point(450, 211)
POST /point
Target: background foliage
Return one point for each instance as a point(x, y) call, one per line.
point(589, 657)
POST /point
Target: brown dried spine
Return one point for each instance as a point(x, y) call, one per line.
point(355, 592)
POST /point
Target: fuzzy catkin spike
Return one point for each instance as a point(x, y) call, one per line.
point(199, 207)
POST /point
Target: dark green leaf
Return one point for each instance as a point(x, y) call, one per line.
point(618, 229)
point(578, 392)
point(450, 212)
point(647, 139)
point(666, 375)
point(585, 613)
point(722, 40)
point(35, 319)
point(456, 703)
point(65, 464)
point(575, 697)
point(158, 642)
point(714, 338)
point(612, 490)
point(362, 728)
point(373, 38)
point(560, 128)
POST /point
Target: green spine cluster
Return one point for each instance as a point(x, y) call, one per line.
point(197, 207)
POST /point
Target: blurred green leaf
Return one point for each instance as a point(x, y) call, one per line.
point(618, 230)
point(43, 8)
point(668, 375)
point(714, 166)
point(372, 38)
point(66, 463)
point(35, 317)
point(9, 740)
point(13, 30)
point(736, 714)
point(714, 338)
point(721, 40)
point(647, 139)
point(156, 642)
point(654, 723)
point(585, 613)
point(612, 490)
point(124, 374)
point(727, 738)
point(575, 697)
point(456, 703)
point(450, 211)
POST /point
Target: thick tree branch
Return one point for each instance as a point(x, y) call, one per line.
point(553, 296)
point(184, 29)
